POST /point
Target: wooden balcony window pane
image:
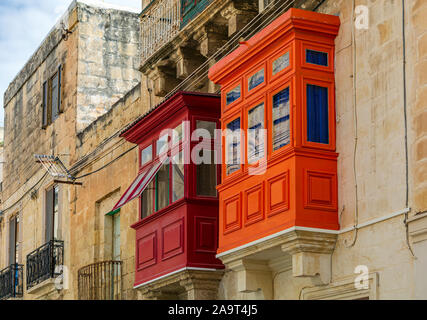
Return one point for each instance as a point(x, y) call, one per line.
point(281, 63)
point(233, 95)
point(281, 117)
point(147, 201)
point(255, 80)
point(162, 187)
point(207, 125)
point(146, 155)
point(207, 175)
point(255, 133)
point(178, 177)
point(233, 152)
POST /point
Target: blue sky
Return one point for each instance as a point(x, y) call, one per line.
point(23, 26)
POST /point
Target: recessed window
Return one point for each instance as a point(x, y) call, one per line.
point(162, 144)
point(234, 94)
point(52, 214)
point(178, 177)
point(317, 114)
point(207, 175)
point(281, 117)
point(281, 63)
point(233, 138)
point(255, 80)
point(316, 57)
point(146, 155)
point(51, 99)
point(256, 133)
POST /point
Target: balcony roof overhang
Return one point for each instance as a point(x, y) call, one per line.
point(163, 112)
point(290, 21)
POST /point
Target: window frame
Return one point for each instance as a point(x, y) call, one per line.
point(214, 146)
point(288, 83)
point(250, 93)
point(251, 104)
point(52, 188)
point(288, 47)
point(47, 107)
point(172, 151)
point(227, 89)
point(237, 114)
point(320, 48)
point(331, 114)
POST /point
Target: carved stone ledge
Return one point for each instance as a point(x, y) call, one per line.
point(187, 59)
point(238, 14)
point(211, 37)
point(163, 76)
point(185, 285)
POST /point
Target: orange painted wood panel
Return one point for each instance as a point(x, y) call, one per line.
point(299, 185)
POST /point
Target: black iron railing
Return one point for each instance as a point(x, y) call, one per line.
point(11, 282)
point(45, 263)
point(101, 281)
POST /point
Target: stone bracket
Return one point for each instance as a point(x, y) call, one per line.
point(311, 255)
point(306, 253)
point(185, 285)
point(238, 14)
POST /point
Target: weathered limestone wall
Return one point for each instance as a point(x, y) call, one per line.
point(102, 190)
point(108, 60)
point(91, 84)
point(380, 160)
point(24, 137)
point(417, 135)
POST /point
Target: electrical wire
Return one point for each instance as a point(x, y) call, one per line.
point(26, 193)
point(108, 164)
point(405, 117)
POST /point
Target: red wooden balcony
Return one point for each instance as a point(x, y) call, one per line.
point(178, 227)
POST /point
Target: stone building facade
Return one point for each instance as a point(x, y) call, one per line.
point(112, 74)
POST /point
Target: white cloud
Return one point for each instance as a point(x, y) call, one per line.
point(23, 26)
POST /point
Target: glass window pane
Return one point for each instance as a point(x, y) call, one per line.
point(256, 133)
point(233, 138)
point(162, 144)
point(146, 155)
point(207, 125)
point(233, 95)
point(178, 134)
point(147, 201)
point(255, 80)
point(178, 177)
point(281, 63)
point(281, 128)
point(162, 187)
point(207, 175)
point(316, 57)
point(317, 114)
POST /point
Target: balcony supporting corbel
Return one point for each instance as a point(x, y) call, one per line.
point(187, 59)
point(306, 254)
point(311, 255)
point(238, 14)
point(163, 77)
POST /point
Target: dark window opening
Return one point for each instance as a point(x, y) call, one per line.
point(51, 99)
point(317, 114)
point(317, 57)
